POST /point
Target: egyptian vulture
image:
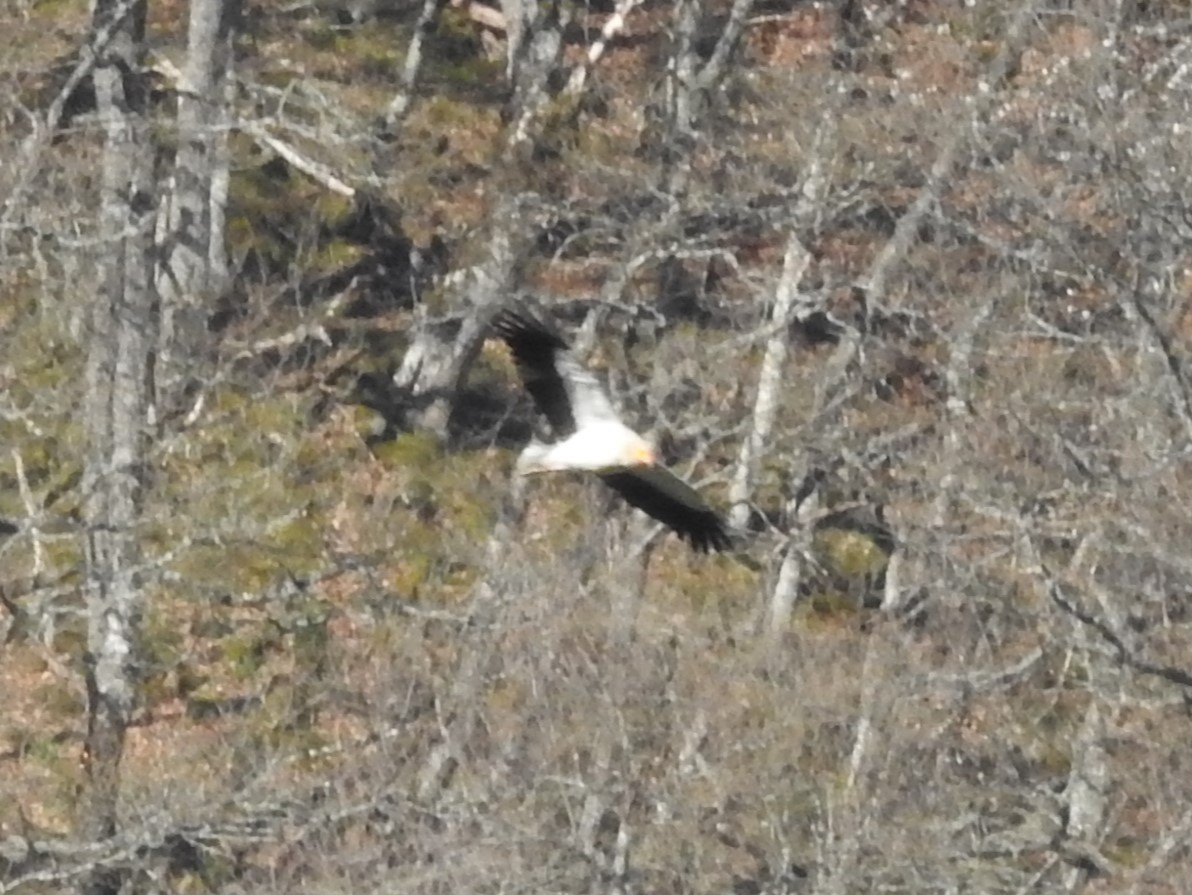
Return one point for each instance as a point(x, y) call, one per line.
point(591, 437)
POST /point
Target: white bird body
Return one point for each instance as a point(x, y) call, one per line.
point(591, 449)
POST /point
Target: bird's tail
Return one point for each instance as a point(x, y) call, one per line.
point(532, 458)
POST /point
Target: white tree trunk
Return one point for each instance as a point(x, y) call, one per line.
point(115, 408)
point(765, 407)
point(534, 54)
point(193, 265)
point(399, 106)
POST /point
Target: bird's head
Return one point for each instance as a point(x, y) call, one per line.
point(642, 453)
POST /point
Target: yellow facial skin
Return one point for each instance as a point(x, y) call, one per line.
point(643, 455)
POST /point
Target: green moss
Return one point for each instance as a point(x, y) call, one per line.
point(827, 604)
point(334, 254)
point(202, 567)
point(460, 577)
point(311, 637)
point(65, 554)
point(283, 721)
point(849, 553)
point(444, 113)
point(474, 72)
point(61, 701)
point(10, 501)
point(204, 705)
point(54, 12)
point(366, 422)
point(1054, 759)
point(61, 493)
point(270, 213)
point(376, 46)
point(322, 38)
point(412, 450)
point(594, 144)
point(228, 401)
point(472, 518)
point(278, 414)
point(298, 537)
point(1128, 851)
point(558, 131)
point(70, 637)
point(333, 208)
point(253, 568)
point(162, 646)
point(411, 574)
point(42, 749)
point(489, 370)
point(245, 652)
point(57, 756)
point(455, 38)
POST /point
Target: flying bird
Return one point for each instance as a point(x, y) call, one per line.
point(591, 437)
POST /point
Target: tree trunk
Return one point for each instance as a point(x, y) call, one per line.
point(399, 106)
point(434, 366)
point(769, 386)
point(689, 83)
point(193, 265)
point(116, 402)
point(535, 51)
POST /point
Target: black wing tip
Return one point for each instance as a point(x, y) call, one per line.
point(517, 321)
point(706, 533)
point(712, 538)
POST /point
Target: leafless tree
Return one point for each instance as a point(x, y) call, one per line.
point(691, 78)
point(434, 366)
point(399, 106)
point(119, 346)
point(192, 267)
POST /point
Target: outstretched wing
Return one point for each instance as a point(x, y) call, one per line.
point(566, 393)
point(664, 496)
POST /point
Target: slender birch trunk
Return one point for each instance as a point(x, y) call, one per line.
point(399, 106)
point(769, 387)
point(115, 408)
point(193, 264)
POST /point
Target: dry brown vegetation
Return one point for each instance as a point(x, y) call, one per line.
point(360, 673)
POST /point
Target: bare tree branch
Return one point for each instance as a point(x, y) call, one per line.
point(874, 283)
point(34, 145)
point(1171, 673)
point(1136, 303)
point(611, 28)
point(312, 169)
point(399, 106)
point(1089, 786)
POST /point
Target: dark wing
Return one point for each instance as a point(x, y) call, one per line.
point(565, 392)
point(534, 344)
point(674, 503)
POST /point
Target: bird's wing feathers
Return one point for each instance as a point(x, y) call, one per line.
point(660, 493)
point(534, 346)
point(589, 402)
point(566, 393)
